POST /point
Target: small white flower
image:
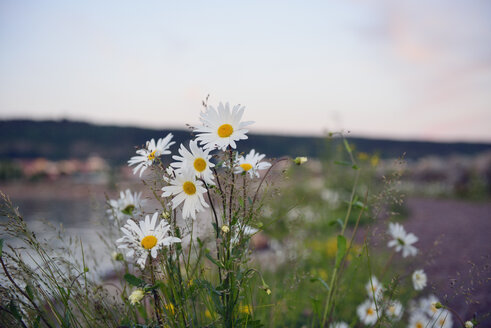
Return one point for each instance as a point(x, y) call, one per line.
point(419, 279)
point(251, 164)
point(374, 288)
point(197, 159)
point(186, 189)
point(418, 320)
point(222, 128)
point(442, 320)
point(126, 206)
point(147, 155)
point(428, 306)
point(394, 310)
point(469, 324)
point(367, 312)
point(340, 324)
point(402, 240)
point(136, 296)
point(145, 238)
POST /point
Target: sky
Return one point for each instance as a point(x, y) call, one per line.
point(414, 69)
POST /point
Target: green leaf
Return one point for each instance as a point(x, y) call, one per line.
point(338, 221)
point(359, 205)
point(341, 250)
point(36, 322)
point(209, 257)
point(29, 292)
point(347, 146)
point(321, 281)
point(14, 310)
point(134, 281)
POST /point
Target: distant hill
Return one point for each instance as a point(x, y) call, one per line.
point(66, 139)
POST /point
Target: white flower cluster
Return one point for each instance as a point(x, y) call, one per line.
point(372, 308)
point(427, 313)
point(187, 179)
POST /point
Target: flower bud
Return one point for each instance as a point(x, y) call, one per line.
point(117, 256)
point(300, 160)
point(225, 229)
point(469, 324)
point(136, 296)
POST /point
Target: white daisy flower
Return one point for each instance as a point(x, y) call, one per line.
point(394, 310)
point(367, 312)
point(418, 320)
point(126, 206)
point(442, 320)
point(246, 231)
point(251, 164)
point(402, 240)
point(340, 324)
point(222, 128)
point(469, 324)
point(186, 189)
point(145, 238)
point(374, 287)
point(147, 155)
point(197, 159)
point(419, 279)
point(428, 305)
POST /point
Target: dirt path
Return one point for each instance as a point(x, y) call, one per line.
point(455, 238)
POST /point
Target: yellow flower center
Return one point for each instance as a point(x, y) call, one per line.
point(392, 309)
point(419, 325)
point(148, 242)
point(189, 188)
point(199, 164)
point(246, 166)
point(151, 156)
point(369, 311)
point(225, 130)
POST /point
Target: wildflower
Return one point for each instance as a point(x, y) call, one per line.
point(402, 240)
point(419, 279)
point(339, 324)
point(367, 312)
point(126, 206)
point(418, 320)
point(394, 310)
point(268, 291)
point(208, 314)
point(225, 229)
point(251, 164)
point(431, 306)
point(170, 308)
point(197, 159)
point(222, 128)
point(147, 155)
point(442, 320)
point(186, 189)
point(469, 324)
point(244, 309)
point(374, 288)
point(300, 160)
point(246, 231)
point(146, 238)
point(136, 296)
